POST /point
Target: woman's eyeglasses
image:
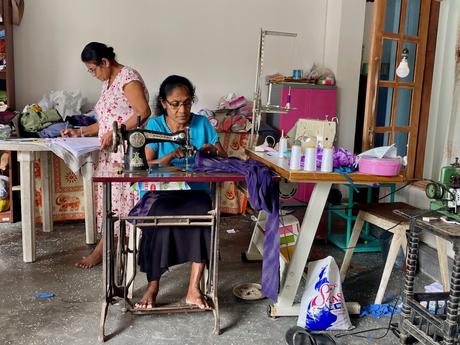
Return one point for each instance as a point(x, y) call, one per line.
point(92, 70)
point(175, 105)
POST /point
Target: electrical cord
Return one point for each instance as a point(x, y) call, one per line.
point(358, 333)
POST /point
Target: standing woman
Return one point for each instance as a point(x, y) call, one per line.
point(123, 98)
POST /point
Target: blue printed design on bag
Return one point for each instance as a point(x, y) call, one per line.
point(319, 311)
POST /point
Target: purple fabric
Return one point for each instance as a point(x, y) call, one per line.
point(263, 195)
point(52, 131)
point(81, 120)
point(143, 206)
point(342, 157)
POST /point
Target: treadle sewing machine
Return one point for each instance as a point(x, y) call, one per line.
point(137, 138)
point(119, 261)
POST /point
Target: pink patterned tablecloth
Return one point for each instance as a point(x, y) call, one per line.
point(67, 195)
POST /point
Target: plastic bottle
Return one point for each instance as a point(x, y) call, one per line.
point(327, 159)
point(296, 154)
point(282, 145)
point(310, 155)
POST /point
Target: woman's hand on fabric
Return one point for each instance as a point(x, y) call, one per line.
point(209, 149)
point(70, 132)
point(106, 141)
point(177, 153)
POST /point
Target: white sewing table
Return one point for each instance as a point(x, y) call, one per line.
point(27, 151)
point(292, 272)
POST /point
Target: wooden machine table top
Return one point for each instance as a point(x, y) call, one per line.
point(281, 166)
point(167, 174)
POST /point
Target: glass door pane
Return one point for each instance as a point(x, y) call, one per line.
point(412, 18)
point(401, 139)
point(403, 106)
point(382, 139)
point(393, 12)
point(387, 67)
point(384, 104)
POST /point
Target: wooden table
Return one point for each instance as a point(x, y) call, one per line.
point(292, 273)
point(111, 287)
point(27, 151)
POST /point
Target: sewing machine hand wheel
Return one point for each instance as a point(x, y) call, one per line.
point(434, 191)
point(116, 136)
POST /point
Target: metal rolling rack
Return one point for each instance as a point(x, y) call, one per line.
point(257, 107)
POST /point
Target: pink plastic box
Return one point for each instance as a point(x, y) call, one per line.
point(379, 166)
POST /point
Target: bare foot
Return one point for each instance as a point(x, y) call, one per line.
point(148, 300)
point(195, 297)
point(93, 259)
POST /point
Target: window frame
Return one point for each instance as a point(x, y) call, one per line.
point(420, 85)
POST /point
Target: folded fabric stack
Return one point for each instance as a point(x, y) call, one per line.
point(54, 112)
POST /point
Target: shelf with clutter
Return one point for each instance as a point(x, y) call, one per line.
point(232, 120)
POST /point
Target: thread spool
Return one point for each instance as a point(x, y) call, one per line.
point(310, 156)
point(282, 146)
point(296, 154)
point(327, 160)
point(297, 74)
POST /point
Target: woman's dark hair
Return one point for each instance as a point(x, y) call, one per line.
point(95, 52)
point(167, 86)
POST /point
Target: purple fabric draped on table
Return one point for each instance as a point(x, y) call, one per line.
point(263, 195)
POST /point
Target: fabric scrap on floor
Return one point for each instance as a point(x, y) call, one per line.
point(379, 310)
point(44, 295)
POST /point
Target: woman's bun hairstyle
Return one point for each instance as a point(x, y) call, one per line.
point(95, 51)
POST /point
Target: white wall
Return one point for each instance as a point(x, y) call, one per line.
point(442, 95)
point(343, 50)
point(368, 20)
point(214, 43)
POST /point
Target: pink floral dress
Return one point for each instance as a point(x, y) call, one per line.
point(114, 106)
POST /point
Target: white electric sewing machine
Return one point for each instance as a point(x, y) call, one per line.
point(323, 130)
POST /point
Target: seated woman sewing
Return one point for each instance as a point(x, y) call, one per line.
point(162, 247)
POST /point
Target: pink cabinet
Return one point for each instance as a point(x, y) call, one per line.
point(308, 101)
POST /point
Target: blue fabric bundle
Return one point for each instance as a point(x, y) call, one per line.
point(379, 310)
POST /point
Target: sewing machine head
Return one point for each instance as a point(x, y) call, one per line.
point(133, 143)
point(321, 131)
point(446, 192)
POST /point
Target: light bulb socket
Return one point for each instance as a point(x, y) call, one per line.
point(405, 53)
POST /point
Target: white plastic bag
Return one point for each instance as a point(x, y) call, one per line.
point(323, 304)
point(381, 152)
point(67, 103)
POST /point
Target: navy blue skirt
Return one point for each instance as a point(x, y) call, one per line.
point(165, 246)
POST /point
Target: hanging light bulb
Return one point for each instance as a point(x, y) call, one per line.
point(403, 69)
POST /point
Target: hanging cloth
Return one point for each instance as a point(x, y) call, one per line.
point(263, 195)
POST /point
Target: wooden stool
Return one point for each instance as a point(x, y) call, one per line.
point(382, 216)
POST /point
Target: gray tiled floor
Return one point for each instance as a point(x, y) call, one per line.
point(72, 316)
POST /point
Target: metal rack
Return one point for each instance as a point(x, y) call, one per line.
point(257, 107)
